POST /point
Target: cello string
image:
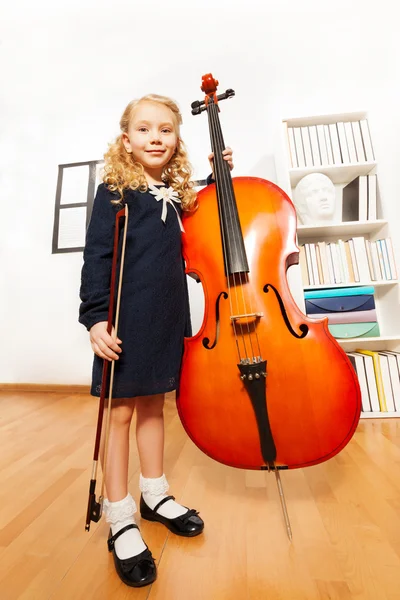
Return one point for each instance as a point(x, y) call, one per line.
point(228, 188)
point(219, 165)
point(245, 275)
point(212, 135)
point(217, 180)
point(225, 180)
point(251, 298)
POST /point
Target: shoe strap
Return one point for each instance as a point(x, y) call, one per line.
point(163, 501)
point(111, 540)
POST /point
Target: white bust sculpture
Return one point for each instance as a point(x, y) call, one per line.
point(314, 199)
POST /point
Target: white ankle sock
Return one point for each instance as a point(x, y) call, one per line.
point(119, 514)
point(153, 490)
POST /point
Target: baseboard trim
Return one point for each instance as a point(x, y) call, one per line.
point(44, 387)
point(53, 387)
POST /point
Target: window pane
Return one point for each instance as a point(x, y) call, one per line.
point(74, 185)
point(72, 228)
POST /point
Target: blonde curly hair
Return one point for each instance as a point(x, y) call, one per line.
point(122, 172)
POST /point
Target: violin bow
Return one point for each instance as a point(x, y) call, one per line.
point(95, 508)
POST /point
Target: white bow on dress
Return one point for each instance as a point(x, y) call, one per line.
point(167, 195)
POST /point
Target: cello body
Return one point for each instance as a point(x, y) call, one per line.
point(307, 404)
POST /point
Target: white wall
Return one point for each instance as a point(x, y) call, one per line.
point(70, 68)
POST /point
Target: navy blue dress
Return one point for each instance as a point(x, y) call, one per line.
point(154, 312)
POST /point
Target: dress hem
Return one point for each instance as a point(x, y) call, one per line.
point(96, 394)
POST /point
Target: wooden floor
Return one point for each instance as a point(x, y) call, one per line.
point(345, 516)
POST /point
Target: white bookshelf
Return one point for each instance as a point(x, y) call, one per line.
point(387, 296)
point(357, 284)
point(380, 415)
point(337, 173)
point(339, 229)
point(388, 342)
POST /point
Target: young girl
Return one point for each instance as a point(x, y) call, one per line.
point(147, 168)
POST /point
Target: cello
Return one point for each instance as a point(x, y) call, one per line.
point(262, 386)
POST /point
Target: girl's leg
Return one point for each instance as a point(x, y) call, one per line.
point(150, 442)
point(118, 448)
point(120, 507)
point(150, 434)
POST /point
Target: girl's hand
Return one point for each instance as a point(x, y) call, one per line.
point(104, 344)
point(227, 154)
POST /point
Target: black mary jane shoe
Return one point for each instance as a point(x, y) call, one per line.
point(137, 571)
point(189, 524)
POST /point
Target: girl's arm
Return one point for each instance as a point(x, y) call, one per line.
point(97, 257)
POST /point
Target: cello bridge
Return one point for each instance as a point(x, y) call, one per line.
point(256, 315)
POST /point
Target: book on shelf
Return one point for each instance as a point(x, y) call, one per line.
point(337, 156)
point(355, 260)
point(392, 261)
point(309, 264)
point(322, 144)
point(375, 261)
point(303, 266)
point(357, 360)
point(378, 377)
point(292, 147)
point(361, 258)
point(359, 199)
point(342, 142)
point(364, 368)
point(328, 144)
point(368, 248)
point(344, 149)
point(324, 261)
point(352, 274)
point(319, 263)
point(355, 200)
point(315, 149)
point(372, 198)
point(350, 142)
point(336, 266)
point(344, 267)
point(301, 161)
point(355, 125)
point(366, 138)
point(314, 266)
point(394, 370)
point(383, 259)
point(386, 380)
point(305, 138)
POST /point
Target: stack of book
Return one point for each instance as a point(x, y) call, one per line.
point(347, 261)
point(351, 311)
point(330, 144)
point(379, 377)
